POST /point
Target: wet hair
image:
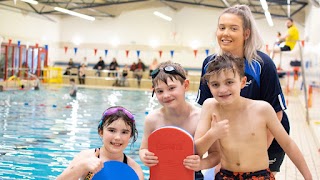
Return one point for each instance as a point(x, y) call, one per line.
point(163, 76)
point(254, 41)
point(290, 19)
point(107, 120)
point(225, 62)
point(72, 80)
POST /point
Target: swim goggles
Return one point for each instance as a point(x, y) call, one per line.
point(113, 110)
point(168, 70)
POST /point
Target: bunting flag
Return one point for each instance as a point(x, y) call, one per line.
point(267, 47)
point(207, 52)
point(46, 47)
point(37, 45)
point(160, 53)
point(10, 40)
point(65, 49)
point(171, 53)
point(138, 53)
point(105, 52)
point(95, 51)
point(19, 43)
point(127, 53)
point(302, 43)
point(195, 52)
point(75, 50)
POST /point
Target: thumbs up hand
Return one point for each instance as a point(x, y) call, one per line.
point(93, 163)
point(221, 128)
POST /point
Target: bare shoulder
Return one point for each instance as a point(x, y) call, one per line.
point(82, 155)
point(153, 121)
point(154, 116)
point(261, 105)
point(135, 166)
point(210, 103)
point(195, 109)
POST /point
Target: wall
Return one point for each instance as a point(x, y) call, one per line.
point(312, 45)
point(134, 31)
point(30, 28)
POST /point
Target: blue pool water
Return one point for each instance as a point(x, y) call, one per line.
point(41, 131)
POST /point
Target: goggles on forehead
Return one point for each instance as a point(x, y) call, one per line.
point(168, 70)
point(114, 110)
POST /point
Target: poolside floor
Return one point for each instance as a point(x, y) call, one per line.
point(306, 135)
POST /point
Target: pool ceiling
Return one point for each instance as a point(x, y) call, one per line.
point(113, 8)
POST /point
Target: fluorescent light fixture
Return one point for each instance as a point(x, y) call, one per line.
point(75, 14)
point(76, 41)
point(115, 42)
point(264, 5)
point(165, 17)
point(154, 43)
point(226, 3)
point(30, 1)
point(288, 6)
point(269, 19)
point(194, 44)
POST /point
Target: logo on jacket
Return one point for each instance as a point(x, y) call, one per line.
point(248, 83)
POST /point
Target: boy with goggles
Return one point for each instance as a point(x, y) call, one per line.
point(170, 86)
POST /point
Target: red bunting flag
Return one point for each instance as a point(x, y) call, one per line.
point(127, 53)
point(267, 47)
point(95, 51)
point(65, 49)
point(160, 53)
point(195, 52)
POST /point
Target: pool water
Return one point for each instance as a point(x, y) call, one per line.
point(41, 131)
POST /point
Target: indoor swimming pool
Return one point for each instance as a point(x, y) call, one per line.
point(41, 131)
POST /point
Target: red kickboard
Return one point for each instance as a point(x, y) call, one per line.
point(171, 145)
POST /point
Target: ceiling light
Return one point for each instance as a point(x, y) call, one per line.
point(264, 5)
point(30, 1)
point(165, 17)
point(288, 6)
point(226, 3)
point(75, 14)
point(269, 18)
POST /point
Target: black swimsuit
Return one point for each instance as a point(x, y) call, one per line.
point(90, 174)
